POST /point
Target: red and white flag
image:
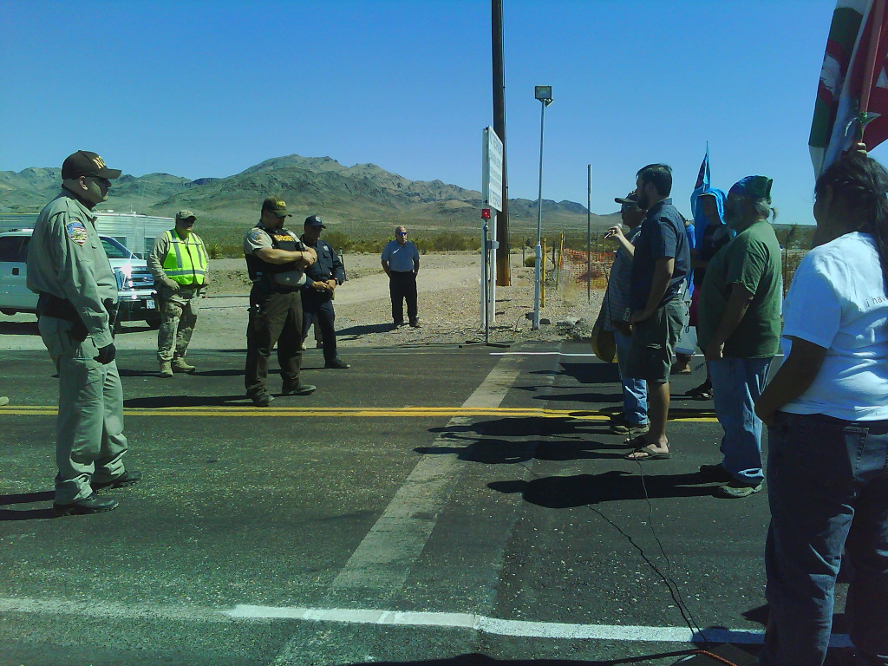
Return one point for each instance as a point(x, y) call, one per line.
point(853, 90)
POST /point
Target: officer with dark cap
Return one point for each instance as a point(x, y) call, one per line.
point(276, 261)
point(68, 268)
point(317, 293)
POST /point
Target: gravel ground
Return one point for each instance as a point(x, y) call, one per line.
point(449, 308)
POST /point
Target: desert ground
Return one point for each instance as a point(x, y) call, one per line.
point(449, 308)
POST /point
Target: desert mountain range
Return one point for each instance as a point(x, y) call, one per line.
point(364, 194)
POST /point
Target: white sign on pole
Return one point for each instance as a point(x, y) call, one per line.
point(492, 169)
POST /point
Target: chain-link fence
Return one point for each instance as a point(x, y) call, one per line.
point(577, 266)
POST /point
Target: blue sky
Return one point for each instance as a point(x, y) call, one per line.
point(207, 89)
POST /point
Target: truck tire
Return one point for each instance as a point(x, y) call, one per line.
point(153, 321)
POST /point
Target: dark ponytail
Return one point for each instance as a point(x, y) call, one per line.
point(863, 183)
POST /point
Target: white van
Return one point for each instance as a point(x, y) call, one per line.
point(134, 283)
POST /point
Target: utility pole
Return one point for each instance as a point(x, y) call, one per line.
point(503, 270)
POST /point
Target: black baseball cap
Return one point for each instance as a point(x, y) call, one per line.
point(631, 198)
point(314, 221)
point(277, 206)
point(85, 163)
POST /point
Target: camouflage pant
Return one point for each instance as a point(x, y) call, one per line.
point(178, 314)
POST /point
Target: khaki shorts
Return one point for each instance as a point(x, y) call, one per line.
point(653, 342)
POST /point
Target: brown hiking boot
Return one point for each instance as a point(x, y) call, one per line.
point(166, 369)
point(179, 365)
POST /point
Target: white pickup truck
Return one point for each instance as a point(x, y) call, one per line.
point(134, 283)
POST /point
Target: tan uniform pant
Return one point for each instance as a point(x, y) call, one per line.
point(178, 317)
point(89, 430)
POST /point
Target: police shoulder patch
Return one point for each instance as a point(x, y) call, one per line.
point(256, 234)
point(77, 232)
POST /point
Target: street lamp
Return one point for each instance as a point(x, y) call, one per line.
point(544, 94)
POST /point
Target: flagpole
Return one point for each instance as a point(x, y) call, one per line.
point(877, 12)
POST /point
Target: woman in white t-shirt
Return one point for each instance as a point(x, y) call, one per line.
point(827, 412)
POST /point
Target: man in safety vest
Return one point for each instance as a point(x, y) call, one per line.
point(178, 262)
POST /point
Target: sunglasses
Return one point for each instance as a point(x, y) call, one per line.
point(402, 233)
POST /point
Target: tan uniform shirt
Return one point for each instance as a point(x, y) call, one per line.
point(66, 258)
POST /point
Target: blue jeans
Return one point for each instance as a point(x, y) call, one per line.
point(736, 384)
point(828, 490)
point(634, 390)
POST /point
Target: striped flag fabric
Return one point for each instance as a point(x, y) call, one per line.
point(843, 76)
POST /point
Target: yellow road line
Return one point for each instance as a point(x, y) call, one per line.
point(703, 416)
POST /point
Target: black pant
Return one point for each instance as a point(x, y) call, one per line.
point(275, 318)
point(322, 306)
point(403, 286)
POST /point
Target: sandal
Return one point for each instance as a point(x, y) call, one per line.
point(702, 392)
point(636, 442)
point(647, 453)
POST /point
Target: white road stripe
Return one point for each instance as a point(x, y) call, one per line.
point(384, 558)
point(469, 621)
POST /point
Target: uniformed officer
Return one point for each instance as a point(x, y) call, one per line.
point(317, 293)
point(68, 268)
point(276, 260)
point(178, 262)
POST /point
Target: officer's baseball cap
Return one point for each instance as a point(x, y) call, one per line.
point(185, 215)
point(314, 221)
point(276, 206)
point(85, 163)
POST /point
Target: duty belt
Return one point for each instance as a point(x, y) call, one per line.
point(49, 305)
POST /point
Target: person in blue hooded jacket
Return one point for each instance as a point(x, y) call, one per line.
point(712, 234)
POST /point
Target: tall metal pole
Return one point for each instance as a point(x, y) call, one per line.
point(589, 238)
point(539, 249)
point(503, 269)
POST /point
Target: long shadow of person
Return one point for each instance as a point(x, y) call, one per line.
point(26, 498)
point(563, 492)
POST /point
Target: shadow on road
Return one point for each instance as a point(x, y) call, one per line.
point(357, 331)
point(200, 373)
point(19, 328)
point(483, 660)
point(187, 401)
point(26, 498)
point(562, 492)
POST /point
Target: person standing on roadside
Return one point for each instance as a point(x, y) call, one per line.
point(276, 261)
point(178, 262)
point(739, 328)
point(712, 235)
point(660, 270)
point(634, 419)
point(69, 270)
point(827, 415)
point(400, 261)
point(317, 294)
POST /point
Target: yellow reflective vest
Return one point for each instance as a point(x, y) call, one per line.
point(186, 260)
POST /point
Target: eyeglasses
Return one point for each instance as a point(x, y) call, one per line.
point(402, 233)
point(629, 207)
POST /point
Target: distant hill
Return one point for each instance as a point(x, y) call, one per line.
point(361, 198)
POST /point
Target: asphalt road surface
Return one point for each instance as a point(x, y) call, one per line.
point(430, 505)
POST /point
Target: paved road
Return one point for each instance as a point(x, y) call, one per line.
point(428, 506)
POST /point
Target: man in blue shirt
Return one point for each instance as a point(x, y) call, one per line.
point(400, 261)
point(660, 270)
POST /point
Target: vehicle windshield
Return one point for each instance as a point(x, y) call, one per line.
point(115, 250)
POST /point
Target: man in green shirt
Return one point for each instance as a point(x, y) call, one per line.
point(739, 332)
